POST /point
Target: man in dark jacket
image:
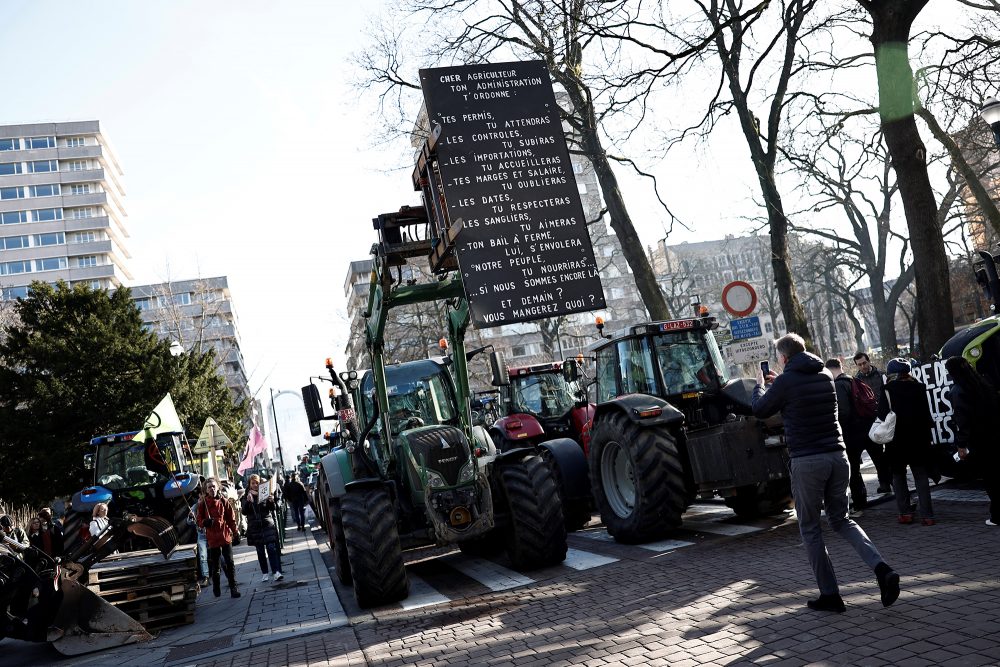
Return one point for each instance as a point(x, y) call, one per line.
point(854, 429)
point(807, 399)
point(296, 494)
point(873, 377)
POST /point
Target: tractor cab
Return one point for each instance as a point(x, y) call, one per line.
point(539, 404)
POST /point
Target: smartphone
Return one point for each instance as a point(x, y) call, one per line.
point(958, 459)
point(764, 368)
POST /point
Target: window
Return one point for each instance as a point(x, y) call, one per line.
point(40, 142)
point(79, 165)
point(617, 293)
point(13, 217)
point(10, 168)
point(183, 299)
point(85, 237)
point(50, 264)
point(11, 193)
point(43, 214)
point(88, 260)
point(55, 238)
point(9, 268)
point(10, 144)
point(11, 293)
point(13, 242)
point(80, 189)
point(144, 303)
point(43, 166)
point(45, 190)
point(577, 166)
point(83, 212)
point(581, 188)
point(73, 142)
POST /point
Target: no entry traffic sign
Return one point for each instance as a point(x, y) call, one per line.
point(739, 298)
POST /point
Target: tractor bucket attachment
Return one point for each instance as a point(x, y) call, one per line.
point(85, 623)
point(159, 531)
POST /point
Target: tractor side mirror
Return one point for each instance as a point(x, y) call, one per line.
point(314, 408)
point(570, 371)
point(498, 367)
point(88, 461)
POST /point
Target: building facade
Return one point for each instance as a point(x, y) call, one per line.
point(62, 212)
point(199, 314)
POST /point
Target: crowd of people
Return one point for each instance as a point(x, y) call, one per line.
point(830, 420)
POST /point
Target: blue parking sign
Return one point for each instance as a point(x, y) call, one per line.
point(748, 327)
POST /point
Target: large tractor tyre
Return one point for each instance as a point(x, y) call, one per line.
point(373, 549)
point(338, 546)
point(575, 514)
point(749, 503)
point(537, 530)
point(485, 546)
point(636, 478)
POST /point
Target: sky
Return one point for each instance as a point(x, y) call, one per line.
point(247, 153)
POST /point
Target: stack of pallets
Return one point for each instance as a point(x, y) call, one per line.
point(157, 592)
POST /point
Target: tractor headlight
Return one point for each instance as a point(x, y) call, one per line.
point(434, 480)
point(468, 471)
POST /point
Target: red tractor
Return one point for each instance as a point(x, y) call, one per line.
point(541, 404)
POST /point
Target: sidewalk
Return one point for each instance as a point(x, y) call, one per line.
point(304, 603)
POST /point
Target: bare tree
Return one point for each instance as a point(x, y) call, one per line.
point(567, 37)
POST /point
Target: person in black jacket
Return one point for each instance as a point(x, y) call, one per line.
point(296, 494)
point(262, 531)
point(805, 395)
point(854, 429)
point(911, 442)
point(975, 400)
point(872, 377)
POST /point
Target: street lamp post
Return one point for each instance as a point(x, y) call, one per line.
point(277, 433)
point(991, 114)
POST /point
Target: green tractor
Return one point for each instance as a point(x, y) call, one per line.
point(671, 426)
point(410, 468)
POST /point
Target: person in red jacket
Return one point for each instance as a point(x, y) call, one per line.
point(216, 516)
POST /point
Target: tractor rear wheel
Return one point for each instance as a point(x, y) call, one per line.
point(373, 549)
point(537, 531)
point(636, 478)
point(576, 514)
point(335, 536)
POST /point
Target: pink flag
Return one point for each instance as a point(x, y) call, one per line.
point(256, 444)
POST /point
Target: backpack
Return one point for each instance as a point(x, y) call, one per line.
point(863, 400)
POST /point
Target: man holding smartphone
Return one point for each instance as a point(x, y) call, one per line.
point(805, 395)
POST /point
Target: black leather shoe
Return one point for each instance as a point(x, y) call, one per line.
point(888, 585)
point(828, 603)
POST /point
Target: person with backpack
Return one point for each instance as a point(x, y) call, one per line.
point(856, 406)
point(872, 377)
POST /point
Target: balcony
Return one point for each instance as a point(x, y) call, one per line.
point(92, 248)
point(83, 176)
point(84, 224)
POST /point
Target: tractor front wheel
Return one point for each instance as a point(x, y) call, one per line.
point(373, 549)
point(537, 531)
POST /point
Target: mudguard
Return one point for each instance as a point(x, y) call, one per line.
point(519, 426)
point(337, 468)
point(632, 404)
point(86, 499)
point(181, 484)
point(572, 467)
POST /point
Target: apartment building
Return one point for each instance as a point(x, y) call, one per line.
point(199, 314)
point(62, 213)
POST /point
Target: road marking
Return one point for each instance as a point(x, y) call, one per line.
point(494, 577)
point(601, 535)
point(665, 545)
point(584, 560)
point(421, 594)
point(720, 528)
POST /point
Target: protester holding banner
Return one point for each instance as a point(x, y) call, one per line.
point(973, 398)
point(262, 529)
point(911, 442)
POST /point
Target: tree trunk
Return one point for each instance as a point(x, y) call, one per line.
point(891, 21)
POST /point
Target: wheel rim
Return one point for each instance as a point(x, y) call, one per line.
point(618, 479)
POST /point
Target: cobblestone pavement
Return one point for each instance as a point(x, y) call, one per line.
point(724, 593)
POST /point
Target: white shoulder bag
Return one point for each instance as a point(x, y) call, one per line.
point(883, 431)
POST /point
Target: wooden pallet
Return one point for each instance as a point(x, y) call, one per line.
point(156, 592)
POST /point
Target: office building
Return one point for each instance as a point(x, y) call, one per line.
point(62, 213)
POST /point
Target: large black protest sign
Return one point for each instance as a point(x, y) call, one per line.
point(524, 250)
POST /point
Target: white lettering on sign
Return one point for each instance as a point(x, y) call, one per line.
point(749, 349)
point(935, 377)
